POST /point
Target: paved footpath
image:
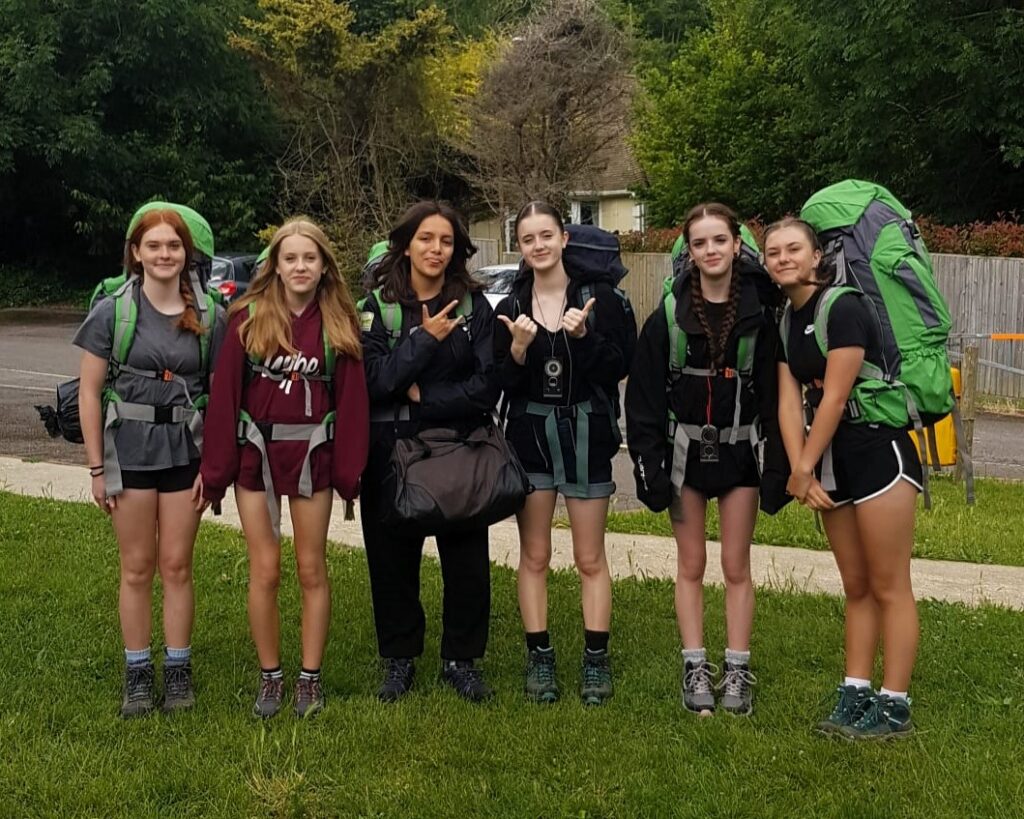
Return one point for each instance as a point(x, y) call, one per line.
point(778, 567)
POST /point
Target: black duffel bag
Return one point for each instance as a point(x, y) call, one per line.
point(64, 419)
point(442, 480)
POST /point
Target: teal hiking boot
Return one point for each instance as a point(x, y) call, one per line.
point(541, 685)
point(848, 708)
point(884, 718)
point(596, 687)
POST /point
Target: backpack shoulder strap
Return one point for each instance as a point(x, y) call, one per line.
point(329, 355)
point(126, 315)
point(206, 319)
point(784, 325)
point(677, 340)
point(464, 309)
point(391, 314)
point(821, 314)
point(745, 353)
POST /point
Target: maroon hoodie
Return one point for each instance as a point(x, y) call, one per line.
point(337, 464)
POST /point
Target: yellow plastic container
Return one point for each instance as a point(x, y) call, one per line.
point(945, 435)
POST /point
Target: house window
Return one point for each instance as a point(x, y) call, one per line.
point(585, 212)
point(640, 216)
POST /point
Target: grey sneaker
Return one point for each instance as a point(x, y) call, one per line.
point(269, 698)
point(541, 685)
point(596, 687)
point(178, 692)
point(848, 708)
point(137, 700)
point(309, 697)
point(736, 682)
point(698, 695)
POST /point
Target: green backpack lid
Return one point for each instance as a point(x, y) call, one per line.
point(377, 251)
point(202, 233)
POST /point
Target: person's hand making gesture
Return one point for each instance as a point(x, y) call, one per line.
point(524, 331)
point(575, 320)
point(439, 325)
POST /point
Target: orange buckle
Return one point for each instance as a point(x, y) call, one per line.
point(293, 375)
point(728, 372)
point(167, 376)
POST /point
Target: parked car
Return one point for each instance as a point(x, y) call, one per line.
point(497, 281)
point(231, 273)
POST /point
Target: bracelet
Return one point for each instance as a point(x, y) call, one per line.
point(95, 473)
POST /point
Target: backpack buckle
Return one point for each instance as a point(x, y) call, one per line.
point(167, 375)
point(293, 375)
point(728, 372)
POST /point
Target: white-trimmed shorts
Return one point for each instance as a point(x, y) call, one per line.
point(868, 472)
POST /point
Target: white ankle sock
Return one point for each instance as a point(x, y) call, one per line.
point(896, 695)
point(857, 682)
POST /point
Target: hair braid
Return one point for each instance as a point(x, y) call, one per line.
point(190, 317)
point(731, 312)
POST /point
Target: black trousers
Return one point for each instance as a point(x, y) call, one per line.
point(394, 561)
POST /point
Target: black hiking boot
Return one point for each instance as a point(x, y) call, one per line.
point(541, 685)
point(596, 685)
point(466, 679)
point(398, 676)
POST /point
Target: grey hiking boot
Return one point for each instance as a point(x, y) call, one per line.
point(541, 685)
point(596, 687)
point(848, 708)
point(884, 717)
point(309, 697)
point(178, 692)
point(137, 700)
point(269, 698)
point(736, 682)
point(698, 695)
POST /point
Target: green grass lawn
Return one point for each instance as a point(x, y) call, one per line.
point(991, 531)
point(64, 752)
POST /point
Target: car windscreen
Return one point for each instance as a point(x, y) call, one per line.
point(221, 270)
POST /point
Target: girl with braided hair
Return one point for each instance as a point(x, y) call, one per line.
point(700, 388)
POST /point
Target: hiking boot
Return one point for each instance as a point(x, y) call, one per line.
point(541, 685)
point(596, 686)
point(884, 717)
point(466, 679)
point(137, 700)
point(269, 698)
point(178, 693)
point(309, 697)
point(698, 695)
point(737, 695)
point(398, 677)
point(848, 709)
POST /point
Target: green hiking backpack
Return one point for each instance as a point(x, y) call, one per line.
point(878, 253)
point(199, 266)
point(391, 315)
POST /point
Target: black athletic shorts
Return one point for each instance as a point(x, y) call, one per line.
point(172, 479)
point(863, 473)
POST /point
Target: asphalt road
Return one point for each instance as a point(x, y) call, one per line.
point(36, 355)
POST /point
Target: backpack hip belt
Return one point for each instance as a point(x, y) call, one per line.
point(682, 434)
point(118, 411)
point(580, 413)
point(259, 434)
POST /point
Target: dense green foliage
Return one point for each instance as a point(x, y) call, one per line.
point(105, 104)
point(66, 753)
point(766, 104)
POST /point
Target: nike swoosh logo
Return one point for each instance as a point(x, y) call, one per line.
point(808, 329)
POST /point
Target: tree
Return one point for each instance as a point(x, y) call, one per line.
point(368, 114)
point(726, 119)
point(101, 108)
point(555, 97)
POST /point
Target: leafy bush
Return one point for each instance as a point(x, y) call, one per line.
point(28, 287)
point(1004, 237)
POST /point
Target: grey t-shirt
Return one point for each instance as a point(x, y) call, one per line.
point(157, 345)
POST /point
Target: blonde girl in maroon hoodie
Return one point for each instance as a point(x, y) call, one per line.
point(288, 415)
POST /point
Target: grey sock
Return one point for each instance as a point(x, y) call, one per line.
point(177, 656)
point(737, 657)
point(695, 656)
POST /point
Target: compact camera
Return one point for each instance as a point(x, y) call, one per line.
point(554, 385)
point(708, 444)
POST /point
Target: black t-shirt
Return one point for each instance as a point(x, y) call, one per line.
point(850, 324)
